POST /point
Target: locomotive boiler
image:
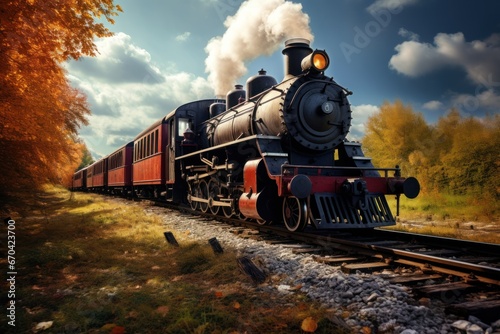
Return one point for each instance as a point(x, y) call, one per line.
point(278, 152)
point(311, 111)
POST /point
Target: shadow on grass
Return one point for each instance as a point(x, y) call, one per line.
point(85, 263)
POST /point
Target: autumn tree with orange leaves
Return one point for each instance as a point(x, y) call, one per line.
point(40, 113)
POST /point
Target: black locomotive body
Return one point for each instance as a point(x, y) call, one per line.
point(277, 152)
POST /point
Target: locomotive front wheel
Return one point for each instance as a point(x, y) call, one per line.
point(294, 213)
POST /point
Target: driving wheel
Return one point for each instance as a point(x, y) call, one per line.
point(203, 193)
point(213, 194)
point(193, 191)
point(294, 213)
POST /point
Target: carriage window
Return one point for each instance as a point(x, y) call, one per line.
point(141, 149)
point(116, 160)
point(172, 134)
point(143, 141)
point(148, 145)
point(156, 141)
point(153, 143)
point(183, 126)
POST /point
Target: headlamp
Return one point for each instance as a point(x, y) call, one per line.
point(317, 61)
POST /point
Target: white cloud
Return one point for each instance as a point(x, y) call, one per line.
point(119, 61)
point(394, 6)
point(479, 59)
point(408, 34)
point(433, 105)
point(414, 59)
point(128, 92)
point(360, 116)
point(183, 37)
point(488, 100)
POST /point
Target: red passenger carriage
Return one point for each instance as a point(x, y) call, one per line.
point(156, 173)
point(79, 181)
point(97, 173)
point(148, 176)
point(120, 170)
point(89, 181)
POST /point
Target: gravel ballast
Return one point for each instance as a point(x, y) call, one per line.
point(362, 300)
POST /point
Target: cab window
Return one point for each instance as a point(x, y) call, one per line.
point(183, 126)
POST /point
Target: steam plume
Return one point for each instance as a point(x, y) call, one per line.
point(259, 27)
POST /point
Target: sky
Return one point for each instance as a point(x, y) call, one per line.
point(432, 55)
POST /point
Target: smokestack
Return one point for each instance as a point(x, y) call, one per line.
point(295, 50)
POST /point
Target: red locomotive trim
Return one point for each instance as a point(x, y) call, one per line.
point(248, 202)
point(257, 201)
point(334, 184)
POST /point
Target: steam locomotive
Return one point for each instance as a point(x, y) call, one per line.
point(275, 152)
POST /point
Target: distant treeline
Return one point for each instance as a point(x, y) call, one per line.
point(457, 155)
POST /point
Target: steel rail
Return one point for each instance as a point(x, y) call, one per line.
point(431, 240)
point(468, 271)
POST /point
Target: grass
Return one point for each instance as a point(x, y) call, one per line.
point(450, 216)
point(92, 264)
point(449, 207)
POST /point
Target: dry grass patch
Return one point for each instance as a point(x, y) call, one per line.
point(449, 216)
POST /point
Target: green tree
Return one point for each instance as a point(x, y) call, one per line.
point(87, 159)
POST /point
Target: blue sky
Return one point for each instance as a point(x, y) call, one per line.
point(433, 55)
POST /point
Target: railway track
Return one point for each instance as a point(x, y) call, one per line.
point(468, 261)
point(465, 275)
point(472, 262)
